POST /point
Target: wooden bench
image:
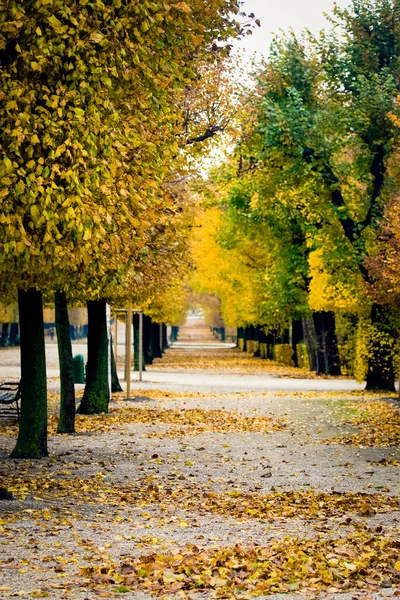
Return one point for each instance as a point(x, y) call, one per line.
point(10, 393)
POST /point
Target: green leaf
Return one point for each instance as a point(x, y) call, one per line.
point(122, 589)
point(55, 23)
point(79, 112)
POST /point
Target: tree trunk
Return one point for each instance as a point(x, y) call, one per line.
point(148, 356)
point(160, 333)
point(380, 374)
point(5, 334)
point(136, 343)
point(331, 344)
point(66, 422)
point(13, 339)
point(245, 338)
point(97, 394)
point(327, 352)
point(32, 435)
point(310, 342)
point(155, 340)
point(174, 334)
point(256, 338)
point(297, 337)
point(270, 346)
point(115, 384)
point(322, 363)
point(164, 337)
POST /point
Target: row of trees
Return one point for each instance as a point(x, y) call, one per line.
point(95, 128)
point(302, 223)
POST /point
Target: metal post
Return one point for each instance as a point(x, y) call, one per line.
point(108, 319)
point(140, 345)
point(128, 350)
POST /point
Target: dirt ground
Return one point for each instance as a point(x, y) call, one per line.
point(209, 489)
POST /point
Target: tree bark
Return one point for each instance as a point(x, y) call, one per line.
point(97, 394)
point(331, 344)
point(13, 341)
point(164, 337)
point(297, 337)
point(115, 384)
point(327, 352)
point(66, 422)
point(174, 334)
point(32, 435)
point(245, 338)
point(380, 375)
point(256, 338)
point(270, 346)
point(136, 344)
point(322, 362)
point(240, 335)
point(148, 356)
point(310, 342)
point(155, 340)
point(5, 334)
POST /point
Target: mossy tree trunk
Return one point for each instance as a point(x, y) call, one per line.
point(380, 375)
point(66, 422)
point(115, 384)
point(32, 435)
point(97, 393)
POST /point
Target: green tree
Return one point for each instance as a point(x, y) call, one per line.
point(326, 132)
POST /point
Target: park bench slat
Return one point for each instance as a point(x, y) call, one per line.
point(10, 393)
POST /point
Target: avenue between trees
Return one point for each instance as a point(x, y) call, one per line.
point(111, 114)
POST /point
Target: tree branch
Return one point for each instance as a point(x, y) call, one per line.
point(209, 133)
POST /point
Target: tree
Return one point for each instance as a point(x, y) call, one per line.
point(88, 119)
point(325, 135)
point(66, 423)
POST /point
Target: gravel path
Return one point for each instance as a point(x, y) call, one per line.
point(111, 495)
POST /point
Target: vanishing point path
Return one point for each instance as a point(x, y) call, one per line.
point(224, 476)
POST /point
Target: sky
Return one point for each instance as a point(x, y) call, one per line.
point(285, 14)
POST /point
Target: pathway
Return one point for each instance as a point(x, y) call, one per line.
point(199, 484)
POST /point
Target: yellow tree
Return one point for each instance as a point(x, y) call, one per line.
point(88, 120)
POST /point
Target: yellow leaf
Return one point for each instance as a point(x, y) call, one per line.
point(183, 7)
point(96, 36)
